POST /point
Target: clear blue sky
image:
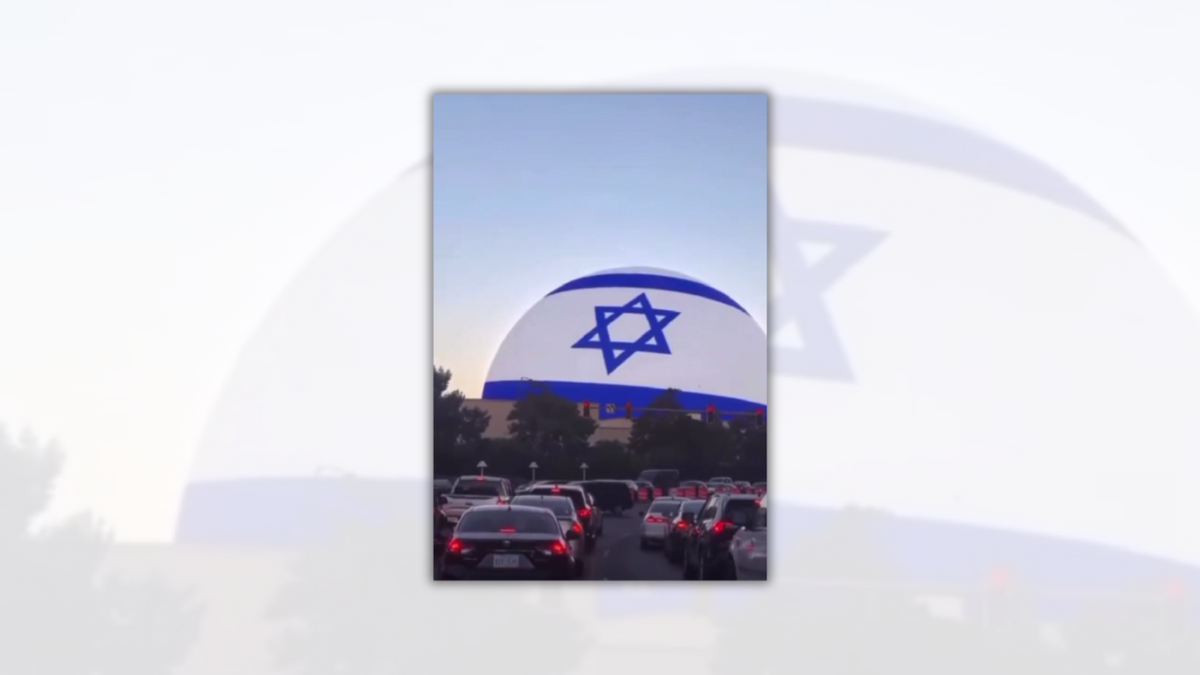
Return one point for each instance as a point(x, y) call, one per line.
point(533, 190)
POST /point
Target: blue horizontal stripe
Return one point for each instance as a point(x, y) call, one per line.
point(291, 512)
point(618, 394)
point(654, 282)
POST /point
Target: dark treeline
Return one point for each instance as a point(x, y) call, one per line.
point(550, 430)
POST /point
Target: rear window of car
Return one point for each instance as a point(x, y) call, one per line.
point(561, 506)
point(693, 506)
point(481, 488)
point(747, 506)
point(504, 520)
point(576, 495)
point(665, 508)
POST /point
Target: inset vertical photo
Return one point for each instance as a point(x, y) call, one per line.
point(600, 293)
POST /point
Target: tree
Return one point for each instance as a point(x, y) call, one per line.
point(749, 447)
point(60, 613)
point(453, 425)
point(610, 459)
point(664, 438)
point(550, 424)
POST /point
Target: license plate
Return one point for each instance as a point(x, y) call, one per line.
point(506, 561)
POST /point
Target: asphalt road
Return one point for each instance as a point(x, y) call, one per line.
point(618, 555)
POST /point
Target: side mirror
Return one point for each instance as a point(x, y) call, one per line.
point(572, 535)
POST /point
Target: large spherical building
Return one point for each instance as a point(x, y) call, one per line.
point(624, 336)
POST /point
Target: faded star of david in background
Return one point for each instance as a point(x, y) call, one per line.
point(653, 341)
point(804, 286)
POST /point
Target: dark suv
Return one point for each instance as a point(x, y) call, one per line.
point(706, 551)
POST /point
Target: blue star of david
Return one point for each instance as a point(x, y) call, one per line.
point(804, 285)
point(653, 341)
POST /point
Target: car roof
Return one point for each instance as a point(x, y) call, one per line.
point(561, 486)
point(480, 478)
point(533, 496)
point(506, 507)
point(742, 498)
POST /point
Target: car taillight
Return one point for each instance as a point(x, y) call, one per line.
point(681, 525)
point(500, 500)
point(508, 530)
point(455, 545)
point(720, 526)
point(558, 548)
point(576, 528)
point(585, 512)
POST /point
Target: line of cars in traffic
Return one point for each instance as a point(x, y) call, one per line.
point(721, 537)
point(484, 528)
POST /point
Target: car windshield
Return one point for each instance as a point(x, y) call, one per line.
point(505, 521)
point(744, 510)
point(477, 488)
point(560, 506)
point(665, 508)
point(576, 495)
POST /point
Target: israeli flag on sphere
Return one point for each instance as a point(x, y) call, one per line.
point(622, 336)
point(962, 340)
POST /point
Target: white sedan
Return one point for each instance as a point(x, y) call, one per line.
point(656, 521)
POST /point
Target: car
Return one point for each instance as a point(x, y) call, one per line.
point(760, 488)
point(719, 486)
point(508, 542)
point(656, 520)
point(633, 489)
point(660, 478)
point(525, 487)
point(591, 519)
point(744, 487)
point(680, 527)
point(441, 526)
point(706, 556)
point(469, 491)
point(611, 496)
point(720, 479)
point(748, 548)
point(564, 510)
point(595, 513)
